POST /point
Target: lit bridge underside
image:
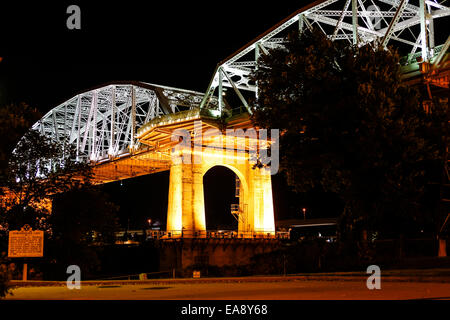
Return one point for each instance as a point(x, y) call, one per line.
point(156, 142)
point(125, 129)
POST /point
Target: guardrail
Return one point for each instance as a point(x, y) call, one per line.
point(140, 276)
point(216, 234)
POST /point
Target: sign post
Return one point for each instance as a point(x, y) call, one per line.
point(24, 244)
point(25, 272)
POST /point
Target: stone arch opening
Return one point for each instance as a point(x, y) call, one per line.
point(186, 211)
point(225, 193)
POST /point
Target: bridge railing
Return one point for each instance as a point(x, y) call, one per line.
point(216, 234)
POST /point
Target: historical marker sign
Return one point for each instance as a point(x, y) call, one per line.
point(26, 243)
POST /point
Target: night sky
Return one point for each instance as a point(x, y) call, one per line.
point(174, 43)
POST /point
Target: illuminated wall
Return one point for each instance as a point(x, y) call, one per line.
point(186, 209)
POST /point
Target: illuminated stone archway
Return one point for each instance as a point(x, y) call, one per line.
point(186, 209)
point(241, 211)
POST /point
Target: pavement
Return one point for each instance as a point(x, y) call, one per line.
point(395, 285)
point(292, 290)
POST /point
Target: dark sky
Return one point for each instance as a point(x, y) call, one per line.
point(174, 43)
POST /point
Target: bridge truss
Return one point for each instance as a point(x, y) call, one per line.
point(103, 121)
point(408, 23)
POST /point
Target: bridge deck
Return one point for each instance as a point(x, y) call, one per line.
point(157, 139)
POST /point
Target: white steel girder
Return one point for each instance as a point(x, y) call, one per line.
point(406, 22)
point(102, 122)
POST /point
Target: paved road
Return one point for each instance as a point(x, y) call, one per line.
point(283, 290)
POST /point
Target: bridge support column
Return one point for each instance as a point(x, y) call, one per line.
point(261, 214)
point(186, 209)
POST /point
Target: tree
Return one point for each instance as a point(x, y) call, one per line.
point(49, 190)
point(4, 276)
point(80, 219)
point(349, 126)
point(15, 120)
point(34, 169)
point(39, 168)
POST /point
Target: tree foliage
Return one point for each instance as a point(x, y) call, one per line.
point(78, 212)
point(349, 126)
point(43, 185)
point(80, 219)
point(5, 275)
point(39, 168)
point(15, 120)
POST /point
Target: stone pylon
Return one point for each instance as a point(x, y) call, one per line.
point(186, 209)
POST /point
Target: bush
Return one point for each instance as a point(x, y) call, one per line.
point(5, 276)
point(306, 256)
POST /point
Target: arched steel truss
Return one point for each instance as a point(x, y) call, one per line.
point(409, 23)
point(102, 122)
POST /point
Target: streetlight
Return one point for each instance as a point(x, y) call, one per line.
point(304, 213)
point(149, 222)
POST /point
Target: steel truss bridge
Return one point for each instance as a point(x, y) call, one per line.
point(103, 122)
point(124, 129)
